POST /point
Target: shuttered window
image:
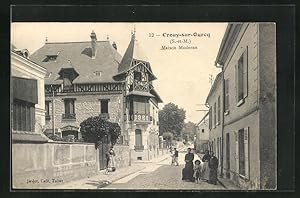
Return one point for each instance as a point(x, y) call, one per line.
point(215, 116)
point(23, 116)
point(242, 152)
point(241, 76)
point(104, 106)
point(69, 106)
point(219, 110)
point(226, 107)
point(210, 118)
point(138, 138)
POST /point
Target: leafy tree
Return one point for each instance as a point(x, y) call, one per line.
point(189, 131)
point(94, 129)
point(168, 136)
point(171, 119)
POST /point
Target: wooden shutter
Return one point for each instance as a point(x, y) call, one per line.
point(246, 146)
point(236, 133)
point(245, 72)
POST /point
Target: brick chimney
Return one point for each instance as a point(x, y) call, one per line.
point(114, 45)
point(94, 44)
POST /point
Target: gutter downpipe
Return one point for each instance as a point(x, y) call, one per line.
point(222, 124)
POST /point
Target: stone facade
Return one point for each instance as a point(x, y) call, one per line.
point(86, 105)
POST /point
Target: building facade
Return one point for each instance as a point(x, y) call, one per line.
point(214, 101)
point(202, 135)
point(27, 97)
point(91, 78)
point(247, 56)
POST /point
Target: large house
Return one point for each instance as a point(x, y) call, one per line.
point(202, 135)
point(91, 78)
point(247, 57)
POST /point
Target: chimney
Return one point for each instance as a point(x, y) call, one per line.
point(94, 44)
point(114, 45)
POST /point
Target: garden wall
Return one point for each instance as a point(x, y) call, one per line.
point(35, 165)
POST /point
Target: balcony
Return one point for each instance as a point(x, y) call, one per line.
point(139, 118)
point(104, 116)
point(69, 116)
point(139, 148)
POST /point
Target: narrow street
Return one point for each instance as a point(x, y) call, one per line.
point(161, 175)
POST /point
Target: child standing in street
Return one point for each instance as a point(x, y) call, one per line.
point(197, 171)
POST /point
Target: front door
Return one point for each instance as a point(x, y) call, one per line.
point(227, 155)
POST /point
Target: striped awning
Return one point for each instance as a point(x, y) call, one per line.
point(25, 89)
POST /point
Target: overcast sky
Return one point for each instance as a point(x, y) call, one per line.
point(183, 74)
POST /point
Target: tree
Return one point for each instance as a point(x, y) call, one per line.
point(168, 136)
point(189, 131)
point(94, 129)
point(171, 119)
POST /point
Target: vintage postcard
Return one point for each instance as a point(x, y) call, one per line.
point(143, 106)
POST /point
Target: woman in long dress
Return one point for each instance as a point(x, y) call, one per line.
point(213, 169)
point(110, 160)
point(205, 168)
point(188, 170)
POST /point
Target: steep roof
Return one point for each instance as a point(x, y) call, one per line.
point(216, 81)
point(80, 55)
point(134, 51)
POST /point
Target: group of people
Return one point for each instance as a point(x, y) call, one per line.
point(205, 171)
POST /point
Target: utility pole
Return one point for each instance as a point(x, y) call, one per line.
point(53, 107)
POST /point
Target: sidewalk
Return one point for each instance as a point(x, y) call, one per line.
point(154, 160)
point(100, 179)
point(226, 183)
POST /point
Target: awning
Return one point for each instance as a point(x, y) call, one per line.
point(25, 89)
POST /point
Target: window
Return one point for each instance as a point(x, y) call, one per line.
point(66, 81)
point(219, 110)
point(242, 152)
point(137, 76)
point(23, 115)
point(242, 77)
point(202, 130)
point(138, 139)
point(69, 108)
point(226, 106)
point(47, 108)
point(215, 117)
point(50, 58)
point(98, 73)
point(104, 106)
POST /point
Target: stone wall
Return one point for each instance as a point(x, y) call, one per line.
point(36, 165)
point(122, 158)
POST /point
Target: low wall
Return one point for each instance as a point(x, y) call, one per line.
point(35, 165)
point(122, 158)
point(147, 154)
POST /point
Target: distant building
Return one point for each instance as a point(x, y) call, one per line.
point(91, 78)
point(202, 135)
point(214, 101)
point(247, 56)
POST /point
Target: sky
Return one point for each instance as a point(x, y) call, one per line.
point(182, 74)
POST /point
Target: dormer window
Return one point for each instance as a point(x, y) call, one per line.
point(50, 58)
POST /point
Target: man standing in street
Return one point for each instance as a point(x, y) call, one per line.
point(176, 157)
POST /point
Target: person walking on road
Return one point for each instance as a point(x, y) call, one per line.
point(175, 156)
point(213, 169)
